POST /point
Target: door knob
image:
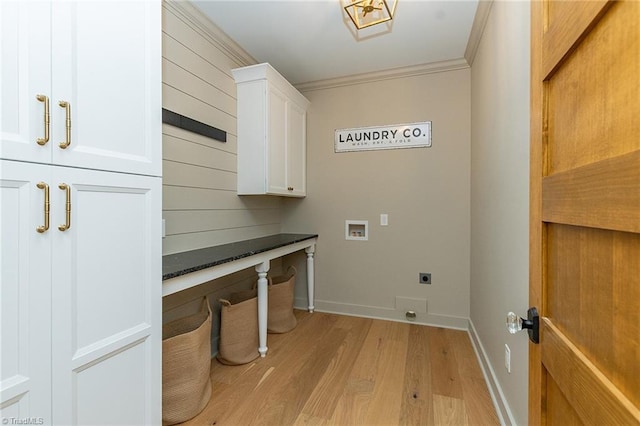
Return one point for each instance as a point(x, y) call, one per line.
point(532, 324)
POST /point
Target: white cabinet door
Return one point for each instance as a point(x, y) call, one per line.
point(107, 299)
point(102, 59)
point(286, 146)
point(107, 65)
point(296, 150)
point(80, 309)
point(276, 142)
point(25, 294)
point(25, 64)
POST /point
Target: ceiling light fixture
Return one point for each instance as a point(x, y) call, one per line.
point(365, 13)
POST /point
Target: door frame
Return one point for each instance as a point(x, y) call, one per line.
point(536, 236)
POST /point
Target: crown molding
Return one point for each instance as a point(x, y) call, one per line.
point(479, 22)
point(403, 72)
point(203, 25)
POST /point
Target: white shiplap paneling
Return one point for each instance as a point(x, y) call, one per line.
point(191, 221)
point(200, 205)
point(186, 151)
point(231, 146)
point(197, 109)
point(179, 198)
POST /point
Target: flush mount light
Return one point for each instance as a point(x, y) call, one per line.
point(365, 13)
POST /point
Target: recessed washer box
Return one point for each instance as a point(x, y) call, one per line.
point(356, 230)
point(411, 304)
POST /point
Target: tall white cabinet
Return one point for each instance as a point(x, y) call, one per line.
point(271, 133)
point(80, 212)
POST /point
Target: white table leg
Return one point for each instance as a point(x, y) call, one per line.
point(263, 305)
point(310, 275)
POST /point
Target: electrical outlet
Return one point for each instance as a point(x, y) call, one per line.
point(507, 358)
point(424, 278)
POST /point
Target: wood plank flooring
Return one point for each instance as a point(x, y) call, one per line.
point(340, 370)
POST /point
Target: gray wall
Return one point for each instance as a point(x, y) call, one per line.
point(425, 192)
point(500, 197)
point(458, 210)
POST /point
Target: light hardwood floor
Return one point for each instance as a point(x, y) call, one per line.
point(340, 370)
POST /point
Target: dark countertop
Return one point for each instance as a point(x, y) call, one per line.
point(174, 265)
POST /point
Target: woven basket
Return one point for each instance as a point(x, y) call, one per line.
point(281, 318)
point(186, 363)
point(239, 329)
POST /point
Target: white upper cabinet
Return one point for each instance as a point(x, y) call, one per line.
point(25, 72)
point(271, 133)
point(71, 91)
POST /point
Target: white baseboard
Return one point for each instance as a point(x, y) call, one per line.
point(389, 314)
point(499, 400)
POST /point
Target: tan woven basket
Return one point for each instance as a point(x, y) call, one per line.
point(281, 318)
point(239, 329)
point(186, 363)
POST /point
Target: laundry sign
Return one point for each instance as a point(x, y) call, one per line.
point(411, 135)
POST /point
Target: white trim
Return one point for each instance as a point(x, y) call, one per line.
point(201, 23)
point(403, 72)
point(477, 29)
point(499, 401)
point(388, 314)
point(241, 57)
point(357, 223)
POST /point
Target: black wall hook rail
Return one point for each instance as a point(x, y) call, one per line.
point(186, 123)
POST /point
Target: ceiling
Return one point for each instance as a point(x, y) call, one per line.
point(314, 40)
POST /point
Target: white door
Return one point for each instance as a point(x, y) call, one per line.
point(102, 60)
point(296, 150)
point(25, 293)
point(25, 64)
point(107, 298)
point(276, 141)
point(106, 66)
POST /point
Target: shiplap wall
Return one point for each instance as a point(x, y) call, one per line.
point(200, 205)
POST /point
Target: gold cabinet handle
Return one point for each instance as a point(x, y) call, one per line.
point(67, 106)
point(45, 227)
point(45, 100)
point(67, 189)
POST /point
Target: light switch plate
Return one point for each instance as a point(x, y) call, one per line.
point(384, 219)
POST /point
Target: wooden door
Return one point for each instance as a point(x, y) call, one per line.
point(585, 212)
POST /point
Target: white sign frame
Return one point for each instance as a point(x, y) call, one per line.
point(397, 136)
